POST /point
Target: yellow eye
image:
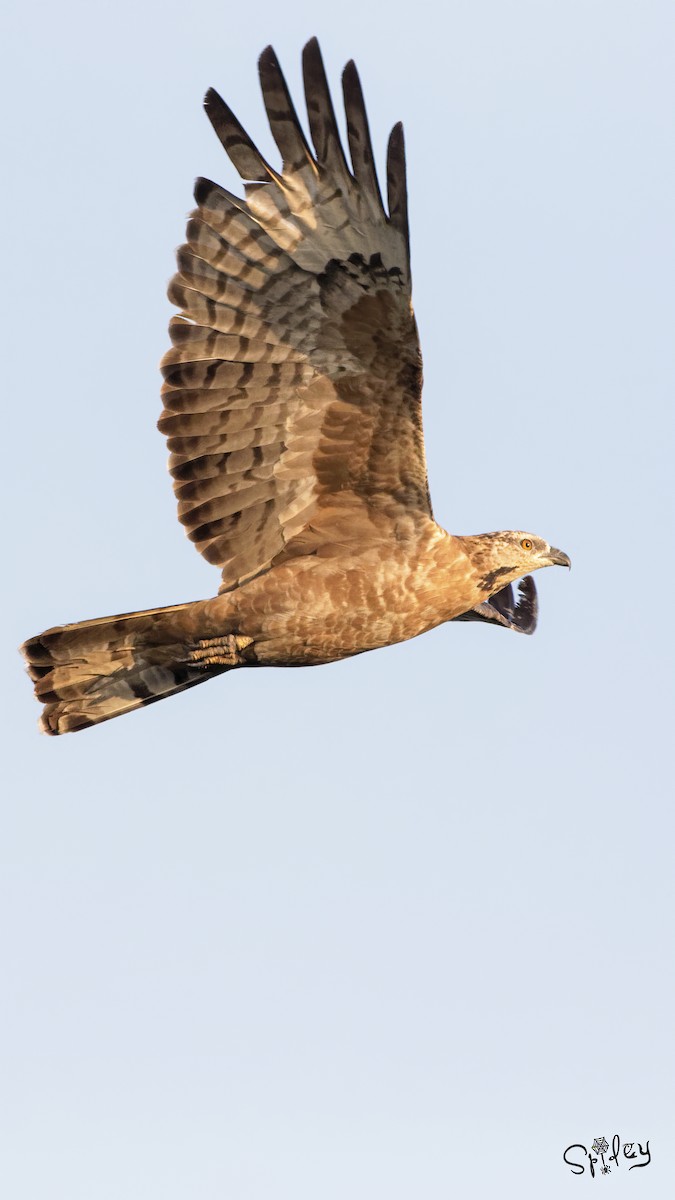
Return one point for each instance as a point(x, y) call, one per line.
point(526, 544)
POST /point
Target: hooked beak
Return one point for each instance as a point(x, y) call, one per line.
point(558, 558)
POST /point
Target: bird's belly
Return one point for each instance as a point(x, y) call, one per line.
point(315, 611)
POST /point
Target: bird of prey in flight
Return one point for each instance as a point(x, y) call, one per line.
point(292, 410)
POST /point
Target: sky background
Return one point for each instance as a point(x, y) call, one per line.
point(400, 926)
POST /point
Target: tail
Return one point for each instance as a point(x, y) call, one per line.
point(94, 670)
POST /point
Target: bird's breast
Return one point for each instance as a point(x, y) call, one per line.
point(323, 607)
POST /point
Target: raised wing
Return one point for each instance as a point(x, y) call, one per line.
point(295, 376)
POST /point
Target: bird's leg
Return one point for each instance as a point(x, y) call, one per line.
point(221, 651)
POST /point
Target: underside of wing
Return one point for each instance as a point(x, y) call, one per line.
point(294, 376)
point(519, 614)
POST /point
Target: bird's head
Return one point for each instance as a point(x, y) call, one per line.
point(500, 558)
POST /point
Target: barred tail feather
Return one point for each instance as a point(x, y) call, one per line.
point(94, 670)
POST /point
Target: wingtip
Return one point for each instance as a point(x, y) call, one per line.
point(397, 192)
point(350, 73)
point(212, 99)
point(312, 58)
point(202, 188)
point(527, 605)
point(268, 58)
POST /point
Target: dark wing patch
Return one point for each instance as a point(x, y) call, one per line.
point(501, 609)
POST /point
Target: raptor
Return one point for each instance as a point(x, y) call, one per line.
point(292, 409)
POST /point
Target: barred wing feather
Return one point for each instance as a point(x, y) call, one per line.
point(294, 378)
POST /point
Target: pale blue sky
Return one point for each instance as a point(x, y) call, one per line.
point(402, 926)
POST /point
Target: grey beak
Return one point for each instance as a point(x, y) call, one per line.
point(558, 558)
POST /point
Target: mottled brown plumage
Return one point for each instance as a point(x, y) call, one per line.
point(292, 410)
